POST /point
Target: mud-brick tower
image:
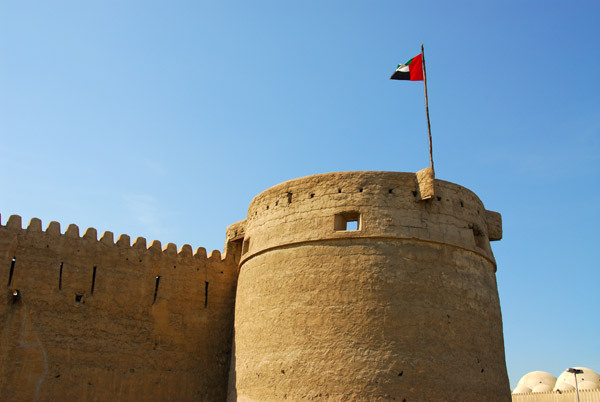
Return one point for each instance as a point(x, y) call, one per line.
point(352, 287)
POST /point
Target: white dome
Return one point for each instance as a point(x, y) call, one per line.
point(535, 378)
point(541, 388)
point(563, 386)
point(587, 375)
point(588, 385)
point(522, 389)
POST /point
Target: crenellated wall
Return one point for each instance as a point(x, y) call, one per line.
point(83, 318)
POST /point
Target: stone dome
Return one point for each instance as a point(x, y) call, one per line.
point(535, 378)
point(587, 375)
point(588, 385)
point(522, 389)
point(541, 388)
point(563, 386)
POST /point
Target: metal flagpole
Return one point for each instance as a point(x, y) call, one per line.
point(427, 107)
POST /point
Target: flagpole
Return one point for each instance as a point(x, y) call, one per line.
point(427, 107)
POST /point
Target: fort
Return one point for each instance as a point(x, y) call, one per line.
point(350, 286)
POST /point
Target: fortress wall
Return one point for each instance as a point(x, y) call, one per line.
point(404, 308)
point(104, 320)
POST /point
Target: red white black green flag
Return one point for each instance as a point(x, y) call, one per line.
point(412, 70)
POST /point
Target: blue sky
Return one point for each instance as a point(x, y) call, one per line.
point(163, 119)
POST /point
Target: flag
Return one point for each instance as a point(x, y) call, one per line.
point(412, 70)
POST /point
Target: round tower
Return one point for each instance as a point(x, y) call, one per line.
point(353, 287)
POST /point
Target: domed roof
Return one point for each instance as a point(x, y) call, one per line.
point(563, 386)
point(522, 389)
point(588, 385)
point(587, 375)
point(541, 388)
point(535, 378)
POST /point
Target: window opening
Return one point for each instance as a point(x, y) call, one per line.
point(347, 221)
point(205, 294)
point(12, 270)
point(93, 281)
point(352, 225)
point(157, 277)
point(478, 236)
point(60, 276)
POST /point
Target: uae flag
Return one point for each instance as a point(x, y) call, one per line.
point(412, 70)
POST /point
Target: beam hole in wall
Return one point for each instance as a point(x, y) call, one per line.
point(339, 190)
point(360, 190)
point(347, 221)
point(391, 191)
point(78, 298)
point(414, 193)
point(312, 195)
point(462, 204)
point(289, 197)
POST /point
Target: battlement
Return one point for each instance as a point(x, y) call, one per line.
point(14, 223)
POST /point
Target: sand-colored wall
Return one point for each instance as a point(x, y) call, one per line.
point(405, 308)
point(115, 335)
point(565, 396)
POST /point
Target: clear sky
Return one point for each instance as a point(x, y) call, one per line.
point(163, 119)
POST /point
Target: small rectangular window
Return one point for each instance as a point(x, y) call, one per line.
point(347, 221)
point(352, 225)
